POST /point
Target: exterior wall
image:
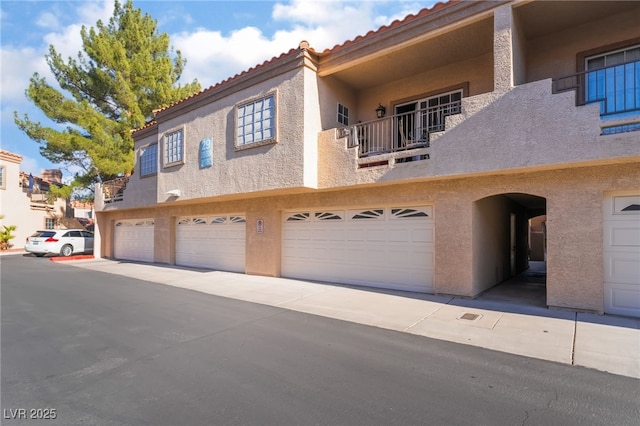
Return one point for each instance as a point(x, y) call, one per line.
point(491, 238)
point(141, 191)
point(330, 92)
point(259, 168)
point(553, 55)
point(476, 73)
point(16, 204)
point(574, 203)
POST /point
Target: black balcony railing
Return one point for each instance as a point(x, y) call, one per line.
point(615, 88)
point(400, 132)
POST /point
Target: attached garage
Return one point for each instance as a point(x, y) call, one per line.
point(133, 240)
point(376, 247)
point(622, 254)
point(216, 242)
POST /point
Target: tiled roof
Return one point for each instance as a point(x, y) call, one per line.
point(10, 156)
point(304, 45)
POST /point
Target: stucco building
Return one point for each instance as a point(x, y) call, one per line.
point(412, 158)
point(23, 199)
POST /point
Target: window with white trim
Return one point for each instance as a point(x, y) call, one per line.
point(149, 160)
point(343, 115)
point(2, 177)
point(49, 223)
point(174, 148)
point(256, 122)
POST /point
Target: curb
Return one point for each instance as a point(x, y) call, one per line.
point(62, 259)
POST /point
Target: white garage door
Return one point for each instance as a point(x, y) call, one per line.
point(622, 254)
point(133, 240)
point(216, 242)
point(377, 247)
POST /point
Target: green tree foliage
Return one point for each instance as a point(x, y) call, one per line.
point(126, 71)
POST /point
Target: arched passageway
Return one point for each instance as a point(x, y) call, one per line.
point(509, 248)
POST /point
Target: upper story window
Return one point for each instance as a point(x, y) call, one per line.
point(256, 122)
point(613, 79)
point(149, 160)
point(343, 115)
point(174, 148)
point(2, 177)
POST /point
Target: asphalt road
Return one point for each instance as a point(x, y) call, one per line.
point(91, 348)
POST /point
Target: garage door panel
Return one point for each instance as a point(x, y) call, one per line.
point(133, 240)
point(622, 254)
point(371, 247)
point(623, 299)
point(216, 242)
point(623, 235)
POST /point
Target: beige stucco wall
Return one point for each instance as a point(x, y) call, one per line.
point(259, 168)
point(574, 203)
point(15, 205)
point(477, 72)
point(553, 55)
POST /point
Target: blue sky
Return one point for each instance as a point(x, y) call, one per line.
point(218, 38)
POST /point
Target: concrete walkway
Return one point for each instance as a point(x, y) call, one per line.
point(603, 342)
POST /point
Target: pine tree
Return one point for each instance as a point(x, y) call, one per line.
point(126, 71)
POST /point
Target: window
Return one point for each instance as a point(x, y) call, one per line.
point(174, 147)
point(49, 223)
point(417, 119)
point(149, 160)
point(613, 79)
point(2, 177)
point(256, 122)
point(343, 115)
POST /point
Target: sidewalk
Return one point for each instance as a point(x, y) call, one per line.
point(602, 342)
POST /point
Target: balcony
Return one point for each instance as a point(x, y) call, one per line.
point(615, 88)
point(409, 132)
point(113, 190)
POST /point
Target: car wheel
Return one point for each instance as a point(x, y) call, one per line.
point(66, 250)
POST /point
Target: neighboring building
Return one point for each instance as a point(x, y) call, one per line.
point(23, 199)
point(410, 158)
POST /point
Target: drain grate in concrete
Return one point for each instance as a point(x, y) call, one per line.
point(470, 317)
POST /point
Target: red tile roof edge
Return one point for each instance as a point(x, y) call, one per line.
point(396, 23)
point(11, 155)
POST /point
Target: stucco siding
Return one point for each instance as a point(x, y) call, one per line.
point(553, 55)
point(266, 167)
point(573, 199)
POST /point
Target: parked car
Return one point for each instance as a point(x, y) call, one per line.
point(60, 241)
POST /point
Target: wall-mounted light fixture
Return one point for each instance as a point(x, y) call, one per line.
point(380, 111)
point(174, 193)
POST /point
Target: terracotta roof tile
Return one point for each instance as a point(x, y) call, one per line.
point(10, 155)
point(393, 25)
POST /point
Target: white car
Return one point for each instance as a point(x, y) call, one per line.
point(60, 241)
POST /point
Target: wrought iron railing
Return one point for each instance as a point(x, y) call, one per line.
point(616, 88)
point(113, 190)
point(400, 132)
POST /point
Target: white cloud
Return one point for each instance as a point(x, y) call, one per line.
point(18, 65)
point(213, 56)
point(48, 20)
